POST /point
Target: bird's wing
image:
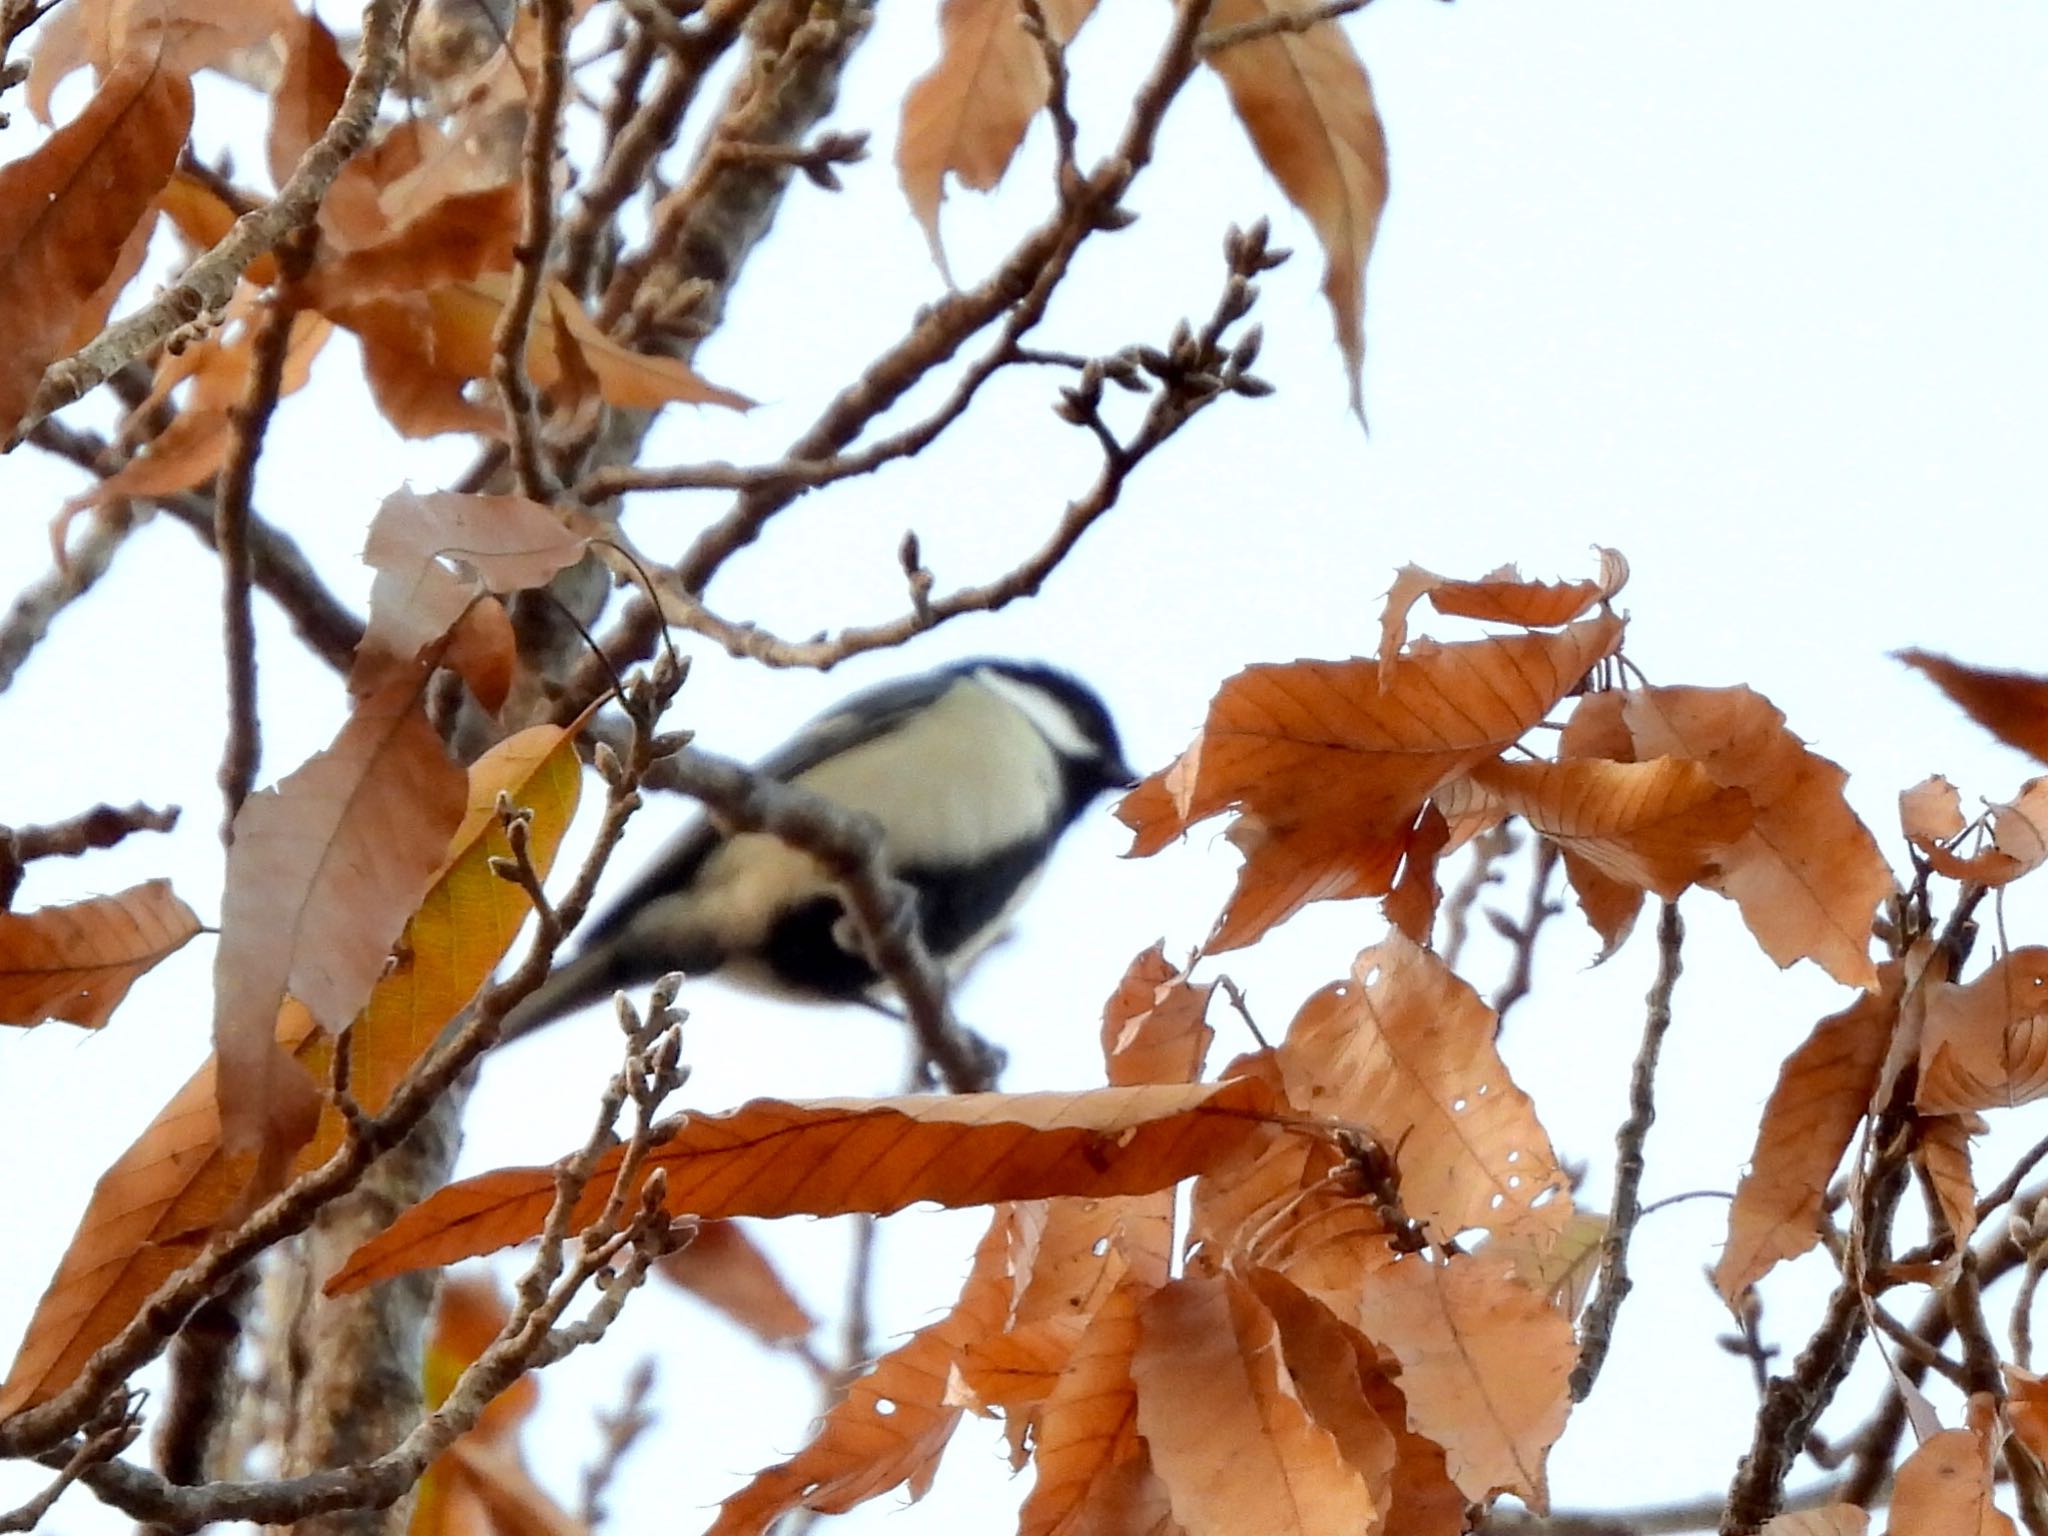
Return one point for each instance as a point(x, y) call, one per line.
point(861, 718)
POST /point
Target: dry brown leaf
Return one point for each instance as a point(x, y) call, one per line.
point(195, 444)
point(893, 1423)
point(1304, 98)
point(1484, 1367)
point(149, 1211)
point(1410, 907)
point(148, 1216)
point(1597, 730)
point(309, 91)
point(1155, 1029)
point(1808, 877)
point(1227, 1429)
point(2026, 1409)
point(828, 1157)
point(1087, 1430)
point(1931, 811)
point(1561, 1267)
point(75, 963)
point(493, 1495)
point(723, 1267)
point(435, 554)
point(92, 314)
point(1661, 825)
point(457, 240)
point(1425, 1500)
point(1944, 1488)
point(179, 37)
point(1829, 1520)
point(1501, 598)
point(968, 114)
point(2019, 828)
point(1322, 1354)
point(1406, 1050)
point(67, 210)
point(1328, 770)
point(483, 648)
point(324, 872)
point(2013, 706)
point(1823, 1092)
point(1985, 1043)
point(1944, 1152)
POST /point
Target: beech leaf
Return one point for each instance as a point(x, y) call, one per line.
point(968, 114)
point(151, 1209)
point(2013, 706)
point(324, 871)
point(1227, 1429)
point(1406, 1050)
point(1944, 1487)
point(1985, 1043)
point(828, 1157)
point(1807, 876)
point(1485, 1362)
point(1823, 1091)
point(75, 963)
point(722, 1267)
point(1328, 769)
point(1304, 98)
point(67, 209)
point(892, 1424)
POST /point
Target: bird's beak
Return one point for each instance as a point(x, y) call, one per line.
point(1119, 775)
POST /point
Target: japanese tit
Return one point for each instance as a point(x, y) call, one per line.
point(973, 771)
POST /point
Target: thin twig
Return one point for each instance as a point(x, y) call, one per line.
point(1597, 1330)
point(1489, 848)
point(1538, 910)
point(101, 827)
point(619, 1427)
point(536, 231)
point(269, 345)
point(29, 617)
point(1273, 25)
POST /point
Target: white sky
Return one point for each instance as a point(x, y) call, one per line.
point(1750, 292)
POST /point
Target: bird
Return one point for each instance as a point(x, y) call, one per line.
point(972, 771)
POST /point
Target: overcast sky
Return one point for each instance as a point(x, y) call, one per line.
point(1751, 292)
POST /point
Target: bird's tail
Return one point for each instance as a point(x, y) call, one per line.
point(614, 962)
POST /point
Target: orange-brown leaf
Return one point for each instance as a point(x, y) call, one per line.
point(68, 208)
point(1501, 598)
point(2013, 706)
point(151, 1209)
point(148, 1216)
point(1931, 811)
point(1226, 1426)
point(1808, 876)
point(179, 37)
point(308, 94)
point(1155, 1029)
point(1944, 1487)
point(1597, 730)
point(1823, 1091)
point(1323, 1353)
point(2026, 1408)
point(893, 1423)
point(1087, 1432)
point(968, 114)
point(1944, 1152)
point(435, 554)
point(324, 872)
point(1425, 1500)
point(1484, 1365)
point(1406, 1049)
point(77, 962)
point(722, 1267)
point(1985, 1044)
point(1660, 825)
point(491, 1494)
point(828, 1157)
point(1306, 102)
point(1411, 905)
point(1828, 1520)
point(1328, 769)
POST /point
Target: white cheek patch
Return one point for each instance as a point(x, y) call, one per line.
point(1048, 716)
